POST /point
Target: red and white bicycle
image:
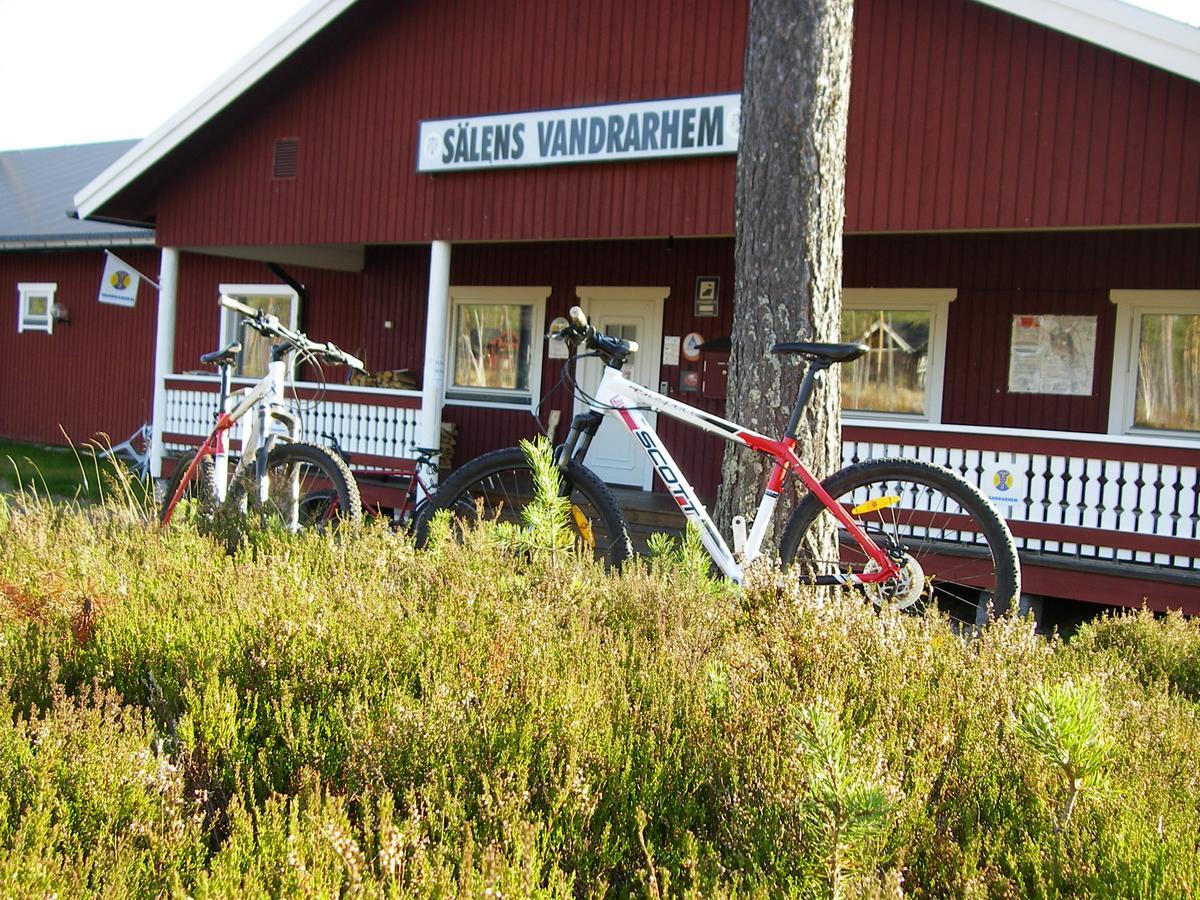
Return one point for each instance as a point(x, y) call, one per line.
point(909, 533)
point(275, 474)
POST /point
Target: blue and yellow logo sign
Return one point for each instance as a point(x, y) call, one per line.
point(1003, 480)
point(120, 280)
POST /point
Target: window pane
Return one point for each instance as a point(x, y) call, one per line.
point(38, 306)
point(891, 376)
point(492, 346)
point(1168, 389)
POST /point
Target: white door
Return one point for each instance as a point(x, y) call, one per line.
point(632, 314)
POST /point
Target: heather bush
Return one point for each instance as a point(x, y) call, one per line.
point(335, 714)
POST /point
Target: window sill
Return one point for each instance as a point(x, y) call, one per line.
point(491, 401)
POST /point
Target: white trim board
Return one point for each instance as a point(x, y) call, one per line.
point(1121, 27)
point(243, 75)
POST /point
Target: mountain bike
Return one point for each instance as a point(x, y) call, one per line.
point(299, 484)
point(909, 533)
point(398, 492)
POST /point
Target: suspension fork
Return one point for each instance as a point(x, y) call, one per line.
point(579, 438)
point(583, 428)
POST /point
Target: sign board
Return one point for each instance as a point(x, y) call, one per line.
point(1052, 355)
point(1005, 485)
point(692, 126)
point(670, 352)
point(707, 296)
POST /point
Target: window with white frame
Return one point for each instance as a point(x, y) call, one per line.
point(496, 340)
point(36, 307)
point(1156, 363)
point(901, 374)
point(281, 302)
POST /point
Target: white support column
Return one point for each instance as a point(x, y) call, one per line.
point(437, 322)
point(164, 352)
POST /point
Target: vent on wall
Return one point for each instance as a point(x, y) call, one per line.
point(287, 150)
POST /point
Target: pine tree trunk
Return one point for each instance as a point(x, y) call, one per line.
point(790, 205)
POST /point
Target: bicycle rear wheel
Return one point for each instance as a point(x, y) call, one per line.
point(954, 547)
point(499, 485)
point(306, 487)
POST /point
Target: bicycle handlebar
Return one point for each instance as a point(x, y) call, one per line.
point(580, 331)
point(268, 325)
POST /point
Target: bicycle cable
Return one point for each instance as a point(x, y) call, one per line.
point(580, 394)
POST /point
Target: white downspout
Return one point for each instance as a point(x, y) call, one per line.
point(164, 353)
point(437, 319)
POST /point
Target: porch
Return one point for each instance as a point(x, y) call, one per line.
point(377, 429)
point(1104, 519)
point(1099, 518)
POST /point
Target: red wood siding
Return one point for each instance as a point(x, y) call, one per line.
point(75, 378)
point(357, 108)
point(92, 375)
point(999, 276)
point(565, 267)
point(961, 117)
point(964, 117)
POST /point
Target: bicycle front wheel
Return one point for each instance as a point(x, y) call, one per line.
point(499, 485)
point(953, 546)
point(306, 487)
point(198, 500)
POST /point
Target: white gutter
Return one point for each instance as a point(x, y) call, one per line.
point(1129, 30)
point(78, 243)
point(292, 35)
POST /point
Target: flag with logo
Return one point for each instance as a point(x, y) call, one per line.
point(119, 284)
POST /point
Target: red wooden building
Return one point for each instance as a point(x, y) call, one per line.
point(1022, 240)
point(58, 382)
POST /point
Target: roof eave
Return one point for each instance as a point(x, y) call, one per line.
point(1121, 27)
point(76, 243)
point(241, 77)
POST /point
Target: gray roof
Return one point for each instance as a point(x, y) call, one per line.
point(36, 191)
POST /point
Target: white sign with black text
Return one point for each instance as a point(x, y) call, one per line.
point(692, 126)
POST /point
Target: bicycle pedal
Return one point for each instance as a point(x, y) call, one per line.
point(739, 534)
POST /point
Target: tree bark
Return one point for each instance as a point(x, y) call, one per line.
point(790, 204)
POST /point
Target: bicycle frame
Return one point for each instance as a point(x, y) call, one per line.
point(626, 399)
point(266, 398)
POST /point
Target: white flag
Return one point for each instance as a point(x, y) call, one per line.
point(120, 282)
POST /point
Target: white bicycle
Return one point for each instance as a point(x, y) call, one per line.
point(275, 474)
point(909, 533)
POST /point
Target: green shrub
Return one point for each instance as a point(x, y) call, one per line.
point(324, 714)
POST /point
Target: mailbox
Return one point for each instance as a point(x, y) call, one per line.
point(714, 380)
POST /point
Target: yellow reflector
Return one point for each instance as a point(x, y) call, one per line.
point(584, 526)
point(873, 505)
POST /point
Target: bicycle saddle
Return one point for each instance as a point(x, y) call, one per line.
point(223, 356)
point(834, 353)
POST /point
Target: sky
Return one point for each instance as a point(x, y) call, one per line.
point(82, 71)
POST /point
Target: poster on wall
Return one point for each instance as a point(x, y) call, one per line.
point(1052, 355)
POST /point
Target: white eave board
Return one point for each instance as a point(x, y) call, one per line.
point(244, 74)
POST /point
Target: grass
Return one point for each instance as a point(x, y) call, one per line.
point(60, 472)
point(338, 714)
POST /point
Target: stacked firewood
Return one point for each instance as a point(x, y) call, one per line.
point(396, 379)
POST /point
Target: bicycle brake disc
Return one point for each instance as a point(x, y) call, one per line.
point(900, 592)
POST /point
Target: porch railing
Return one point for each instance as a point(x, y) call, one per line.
point(375, 426)
point(1079, 496)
